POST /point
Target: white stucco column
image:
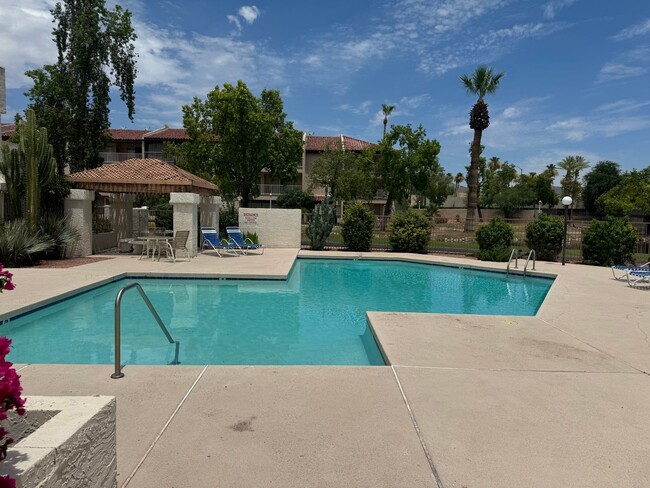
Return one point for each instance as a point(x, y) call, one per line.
point(122, 215)
point(186, 216)
point(78, 207)
point(209, 215)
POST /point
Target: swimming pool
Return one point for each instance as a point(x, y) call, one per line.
point(316, 316)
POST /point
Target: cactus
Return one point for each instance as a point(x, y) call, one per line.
point(40, 165)
point(321, 224)
point(12, 167)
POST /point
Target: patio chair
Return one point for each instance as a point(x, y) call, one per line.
point(626, 269)
point(245, 244)
point(635, 278)
point(179, 242)
point(211, 241)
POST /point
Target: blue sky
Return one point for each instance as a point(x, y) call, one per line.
point(577, 71)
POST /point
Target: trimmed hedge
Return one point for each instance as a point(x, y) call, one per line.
point(609, 242)
point(409, 232)
point(358, 226)
point(544, 235)
point(494, 239)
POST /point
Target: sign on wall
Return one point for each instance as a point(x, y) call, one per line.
point(251, 217)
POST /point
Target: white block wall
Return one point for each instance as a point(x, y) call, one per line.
point(274, 227)
point(78, 208)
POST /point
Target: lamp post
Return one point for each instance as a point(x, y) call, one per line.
point(271, 199)
point(566, 201)
point(539, 208)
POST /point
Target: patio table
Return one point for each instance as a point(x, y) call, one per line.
point(155, 243)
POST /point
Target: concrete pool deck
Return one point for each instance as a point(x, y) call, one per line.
point(559, 399)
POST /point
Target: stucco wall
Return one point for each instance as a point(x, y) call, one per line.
point(274, 227)
point(78, 208)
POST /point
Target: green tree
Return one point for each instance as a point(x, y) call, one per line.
point(386, 110)
point(71, 98)
point(406, 163)
point(438, 188)
point(458, 179)
point(495, 180)
point(481, 83)
point(358, 226)
point(630, 195)
point(296, 199)
point(571, 182)
point(602, 178)
point(346, 175)
point(235, 136)
point(609, 242)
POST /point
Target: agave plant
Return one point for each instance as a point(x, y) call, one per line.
point(62, 233)
point(20, 244)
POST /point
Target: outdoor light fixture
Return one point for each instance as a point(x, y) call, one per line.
point(566, 201)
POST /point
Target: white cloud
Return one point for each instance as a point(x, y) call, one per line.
point(361, 108)
point(619, 71)
point(639, 29)
point(551, 8)
point(249, 13)
point(233, 19)
point(622, 106)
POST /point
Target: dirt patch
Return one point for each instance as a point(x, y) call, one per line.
point(68, 263)
point(243, 425)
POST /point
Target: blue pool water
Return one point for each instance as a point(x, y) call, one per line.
point(317, 316)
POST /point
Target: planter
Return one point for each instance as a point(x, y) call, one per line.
point(63, 442)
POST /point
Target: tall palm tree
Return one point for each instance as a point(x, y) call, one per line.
point(458, 179)
point(552, 170)
point(386, 110)
point(570, 183)
point(494, 164)
point(482, 82)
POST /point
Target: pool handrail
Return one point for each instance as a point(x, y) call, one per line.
point(118, 334)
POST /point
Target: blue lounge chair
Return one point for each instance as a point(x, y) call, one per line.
point(211, 240)
point(237, 237)
point(635, 278)
point(626, 269)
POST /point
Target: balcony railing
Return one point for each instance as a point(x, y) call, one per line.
point(266, 189)
point(115, 157)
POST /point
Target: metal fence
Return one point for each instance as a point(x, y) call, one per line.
point(451, 236)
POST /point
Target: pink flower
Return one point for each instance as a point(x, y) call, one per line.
point(7, 482)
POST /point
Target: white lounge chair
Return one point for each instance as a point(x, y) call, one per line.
point(635, 278)
point(624, 270)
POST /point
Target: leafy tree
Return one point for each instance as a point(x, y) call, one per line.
point(71, 98)
point(631, 194)
point(458, 179)
point(235, 135)
point(496, 179)
point(542, 185)
point(346, 175)
point(481, 83)
point(296, 199)
point(386, 110)
point(406, 163)
point(571, 182)
point(409, 232)
point(602, 178)
point(438, 188)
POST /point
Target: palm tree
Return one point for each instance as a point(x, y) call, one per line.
point(570, 184)
point(482, 82)
point(458, 179)
point(552, 170)
point(386, 110)
point(494, 164)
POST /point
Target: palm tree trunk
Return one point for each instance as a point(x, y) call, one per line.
point(385, 122)
point(472, 181)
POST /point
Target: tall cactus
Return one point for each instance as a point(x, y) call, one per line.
point(40, 165)
point(12, 167)
point(321, 224)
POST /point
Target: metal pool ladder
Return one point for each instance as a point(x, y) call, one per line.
point(118, 336)
point(515, 254)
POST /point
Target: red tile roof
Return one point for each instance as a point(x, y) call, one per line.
point(8, 130)
point(352, 144)
point(141, 176)
point(126, 134)
point(320, 143)
point(168, 134)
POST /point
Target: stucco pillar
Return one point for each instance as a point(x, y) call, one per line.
point(209, 215)
point(78, 207)
point(122, 215)
point(186, 216)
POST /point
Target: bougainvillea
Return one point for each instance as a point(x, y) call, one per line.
point(10, 389)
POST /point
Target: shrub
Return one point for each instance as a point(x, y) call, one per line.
point(228, 218)
point(320, 225)
point(544, 235)
point(102, 224)
point(252, 236)
point(62, 233)
point(409, 232)
point(20, 245)
point(358, 226)
point(494, 239)
point(609, 242)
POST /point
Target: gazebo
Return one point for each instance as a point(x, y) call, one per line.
point(133, 176)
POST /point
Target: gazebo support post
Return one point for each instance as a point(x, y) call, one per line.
point(78, 207)
point(122, 215)
point(186, 216)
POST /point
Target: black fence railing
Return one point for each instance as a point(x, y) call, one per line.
point(451, 236)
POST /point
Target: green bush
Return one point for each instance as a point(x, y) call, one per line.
point(62, 233)
point(102, 224)
point(228, 218)
point(494, 239)
point(544, 235)
point(20, 245)
point(409, 232)
point(296, 199)
point(252, 236)
point(609, 242)
point(358, 226)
